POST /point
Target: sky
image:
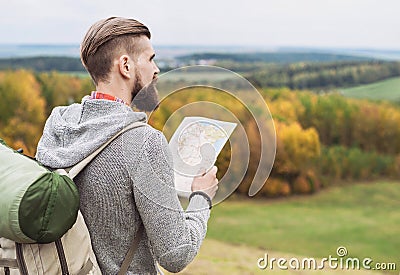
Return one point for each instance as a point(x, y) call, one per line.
point(369, 24)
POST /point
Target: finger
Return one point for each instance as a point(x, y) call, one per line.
point(212, 173)
point(214, 185)
point(214, 170)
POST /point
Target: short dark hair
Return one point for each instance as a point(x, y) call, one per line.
point(104, 39)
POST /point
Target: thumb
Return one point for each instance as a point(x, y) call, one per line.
point(213, 171)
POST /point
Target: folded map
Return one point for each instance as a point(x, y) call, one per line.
point(195, 146)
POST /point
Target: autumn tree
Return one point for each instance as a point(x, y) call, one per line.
point(62, 89)
point(22, 110)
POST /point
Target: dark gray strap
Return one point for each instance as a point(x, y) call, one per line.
point(63, 261)
point(61, 257)
point(13, 263)
point(20, 259)
point(131, 252)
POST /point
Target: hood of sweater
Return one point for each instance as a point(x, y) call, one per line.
point(72, 132)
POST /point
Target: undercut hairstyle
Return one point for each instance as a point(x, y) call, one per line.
point(107, 38)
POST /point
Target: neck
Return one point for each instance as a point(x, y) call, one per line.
point(116, 89)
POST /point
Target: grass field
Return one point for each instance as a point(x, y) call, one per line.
point(364, 218)
point(383, 90)
point(216, 257)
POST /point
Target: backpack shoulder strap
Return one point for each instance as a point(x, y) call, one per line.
point(77, 168)
point(131, 252)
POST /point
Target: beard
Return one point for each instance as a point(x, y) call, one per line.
point(145, 98)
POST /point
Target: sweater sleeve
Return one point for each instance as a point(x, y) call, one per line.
point(174, 235)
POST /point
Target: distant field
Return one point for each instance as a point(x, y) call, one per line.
point(181, 75)
point(364, 218)
point(383, 90)
point(77, 74)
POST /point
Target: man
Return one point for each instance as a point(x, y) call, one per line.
point(131, 182)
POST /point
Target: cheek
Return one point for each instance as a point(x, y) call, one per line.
point(147, 73)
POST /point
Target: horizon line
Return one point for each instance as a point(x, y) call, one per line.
point(244, 46)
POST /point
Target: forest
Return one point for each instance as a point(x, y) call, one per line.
point(321, 139)
point(318, 72)
point(320, 77)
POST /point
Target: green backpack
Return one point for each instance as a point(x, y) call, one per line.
point(41, 229)
point(36, 205)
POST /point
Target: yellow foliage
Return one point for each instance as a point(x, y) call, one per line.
point(296, 148)
point(287, 108)
point(285, 189)
point(301, 185)
point(22, 110)
point(275, 187)
point(283, 110)
point(62, 89)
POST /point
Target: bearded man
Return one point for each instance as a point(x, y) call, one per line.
point(130, 184)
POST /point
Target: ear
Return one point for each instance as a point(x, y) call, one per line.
point(125, 66)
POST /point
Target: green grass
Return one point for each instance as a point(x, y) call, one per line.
point(383, 90)
point(217, 257)
point(364, 218)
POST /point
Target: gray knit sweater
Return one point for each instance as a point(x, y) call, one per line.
point(128, 183)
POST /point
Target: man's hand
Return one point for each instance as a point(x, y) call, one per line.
point(207, 183)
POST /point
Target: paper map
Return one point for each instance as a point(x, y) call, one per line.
point(195, 146)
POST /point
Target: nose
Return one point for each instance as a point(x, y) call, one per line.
point(157, 70)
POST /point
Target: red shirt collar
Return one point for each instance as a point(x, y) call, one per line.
point(99, 95)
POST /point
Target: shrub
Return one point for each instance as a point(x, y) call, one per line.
point(340, 162)
point(313, 180)
point(301, 185)
point(275, 187)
